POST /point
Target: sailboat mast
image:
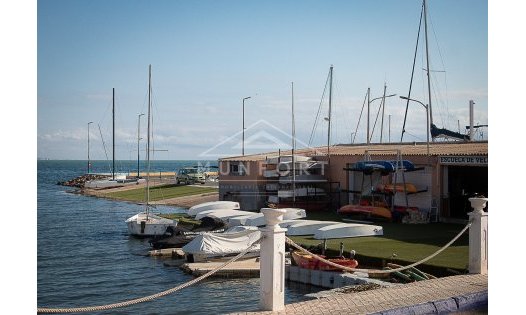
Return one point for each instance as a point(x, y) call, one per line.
point(113, 114)
point(383, 111)
point(293, 147)
point(330, 118)
point(412, 74)
point(368, 112)
point(148, 141)
point(427, 65)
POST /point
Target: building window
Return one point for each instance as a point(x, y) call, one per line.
point(237, 169)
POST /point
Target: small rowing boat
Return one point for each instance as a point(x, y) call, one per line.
point(307, 261)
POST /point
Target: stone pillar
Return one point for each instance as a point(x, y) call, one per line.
point(272, 262)
point(478, 237)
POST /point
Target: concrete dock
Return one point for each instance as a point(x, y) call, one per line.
point(442, 295)
point(245, 268)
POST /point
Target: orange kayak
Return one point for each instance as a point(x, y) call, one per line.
point(367, 211)
point(409, 188)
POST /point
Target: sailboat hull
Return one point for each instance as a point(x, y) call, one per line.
point(139, 225)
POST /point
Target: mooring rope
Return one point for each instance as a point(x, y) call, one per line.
point(146, 298)
point(292, 243)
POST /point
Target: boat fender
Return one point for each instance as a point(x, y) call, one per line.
point(143, 226)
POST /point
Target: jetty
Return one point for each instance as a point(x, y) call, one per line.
point(243, 268)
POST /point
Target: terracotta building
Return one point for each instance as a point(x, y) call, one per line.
point(446, 174)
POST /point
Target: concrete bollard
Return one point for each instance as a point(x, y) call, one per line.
point(478, 237)
point(272, 262)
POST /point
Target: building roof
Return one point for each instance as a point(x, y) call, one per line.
point(406, 148)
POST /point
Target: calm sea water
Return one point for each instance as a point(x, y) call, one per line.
point(86, 258)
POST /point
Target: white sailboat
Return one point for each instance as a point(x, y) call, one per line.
point(145, 223)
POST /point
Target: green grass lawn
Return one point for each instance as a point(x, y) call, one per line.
point(409, 242)
point(160, 192)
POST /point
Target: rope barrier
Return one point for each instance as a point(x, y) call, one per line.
point(292, 243)
point(146, 298)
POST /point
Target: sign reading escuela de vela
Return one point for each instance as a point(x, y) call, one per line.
point(464, 160)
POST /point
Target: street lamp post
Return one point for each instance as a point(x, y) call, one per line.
point(368, 108)
point(138, 140)
point(88, 146)
point(427, 119)
point(243, 141)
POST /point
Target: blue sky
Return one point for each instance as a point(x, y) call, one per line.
point(207, 55)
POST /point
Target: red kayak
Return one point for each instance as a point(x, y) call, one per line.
point(304, 260)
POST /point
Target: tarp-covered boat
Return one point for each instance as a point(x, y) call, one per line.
point(182, 235)
point(216, 245)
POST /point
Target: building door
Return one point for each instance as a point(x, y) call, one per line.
point(463, 183)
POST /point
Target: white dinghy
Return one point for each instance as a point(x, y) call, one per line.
point(308, 227)
point(212, 205)
point(344, 230)
point(222, 214)
point(292, 213)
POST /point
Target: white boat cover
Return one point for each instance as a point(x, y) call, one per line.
point(193, 211)
point(308, 227)
point(219, 244)
point(258, 219)
point(222, 214)
point(344, 230)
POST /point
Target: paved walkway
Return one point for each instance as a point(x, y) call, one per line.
point(442, 295)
